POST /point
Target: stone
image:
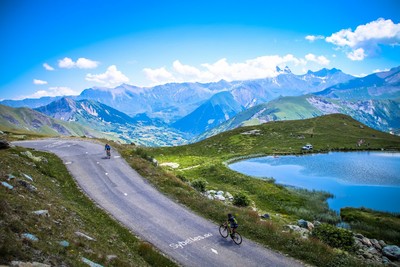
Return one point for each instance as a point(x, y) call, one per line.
point(219, 197)
point(30, 237)
point(28, 177)
point(305, 224)
point(85, 236)
point(44, 213)
point(391, 252)
point(220, 193)
point(4, 144)
point(91, 263)
point(64, 243)
point(7, 185)
point(304, 233)
point(32, 157)
point(266, 216)
point(366, 241)
point(28, 186)
point(359, 236)
point(376, 244)
point(382, 243)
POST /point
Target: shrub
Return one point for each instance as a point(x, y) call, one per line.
point(334, 237)
point(199, 184)
point(241, 199)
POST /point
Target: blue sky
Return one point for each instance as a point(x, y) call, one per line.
point(63, 47)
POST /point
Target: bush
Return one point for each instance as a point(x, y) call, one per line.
point(241, 199)
point(334, 237)
point(199, 184)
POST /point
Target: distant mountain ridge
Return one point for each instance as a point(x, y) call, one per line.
point(139, 129)
point(174, 113)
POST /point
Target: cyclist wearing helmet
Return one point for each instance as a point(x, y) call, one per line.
point(232, 224)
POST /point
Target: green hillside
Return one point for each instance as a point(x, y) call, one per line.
point(66, 211)
point(31, 121)
point(204, 164)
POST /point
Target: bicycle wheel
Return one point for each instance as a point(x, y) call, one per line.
point(237, 238)
point(223, 230)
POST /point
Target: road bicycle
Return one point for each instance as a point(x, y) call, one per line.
point(224, 231)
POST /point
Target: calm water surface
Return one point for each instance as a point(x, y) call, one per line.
point(356, 179)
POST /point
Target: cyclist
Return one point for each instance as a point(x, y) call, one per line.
point(108, 150)
point(232, 224)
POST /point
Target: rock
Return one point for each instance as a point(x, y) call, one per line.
point(382, 243)
point(4, 144)
point(305, 224)
point(85, 236)
point(304, 233)
point(27, 177)
point(219, 197)
point(229, 196)
point(376, 244)
point(30, 237)
point(302, 223)
point(7, 185)
point(220, 193)
point(266, 216)
point(64, 243)
point(210, 197)
point(42, 213)
point(366, 241)
point(28, 264)
point(392, 252)
point(359, 236)
point(91, 263)
point(32, 157)
point(28, 186)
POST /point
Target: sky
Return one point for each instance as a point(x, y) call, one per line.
point(62, 47)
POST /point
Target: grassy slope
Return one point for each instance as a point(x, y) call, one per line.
point(70, 211)
point(206, 160)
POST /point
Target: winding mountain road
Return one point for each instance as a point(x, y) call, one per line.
point(179, 233)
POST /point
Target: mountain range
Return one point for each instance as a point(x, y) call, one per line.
point(178, 113)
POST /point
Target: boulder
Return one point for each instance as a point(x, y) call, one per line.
point(28, 186)
point(219, 197)
point(4, 144)
point(266, 216)
point(392, 252)
point(366, 241)
point(305, 224)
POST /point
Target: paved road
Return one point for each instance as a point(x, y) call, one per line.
point(186, 237)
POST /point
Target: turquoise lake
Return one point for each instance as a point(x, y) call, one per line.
point(356, 179)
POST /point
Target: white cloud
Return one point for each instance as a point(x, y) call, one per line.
point(366, 37)
point(313, 38)
point(321, 60)
point(356, 55)
point(159, 76)
point(53, 91)
point(39, 82)
point(111, 78)
point(256, 68)
point(81, 63)
point(84, 63)
point(48, 67)
point(66, 63)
